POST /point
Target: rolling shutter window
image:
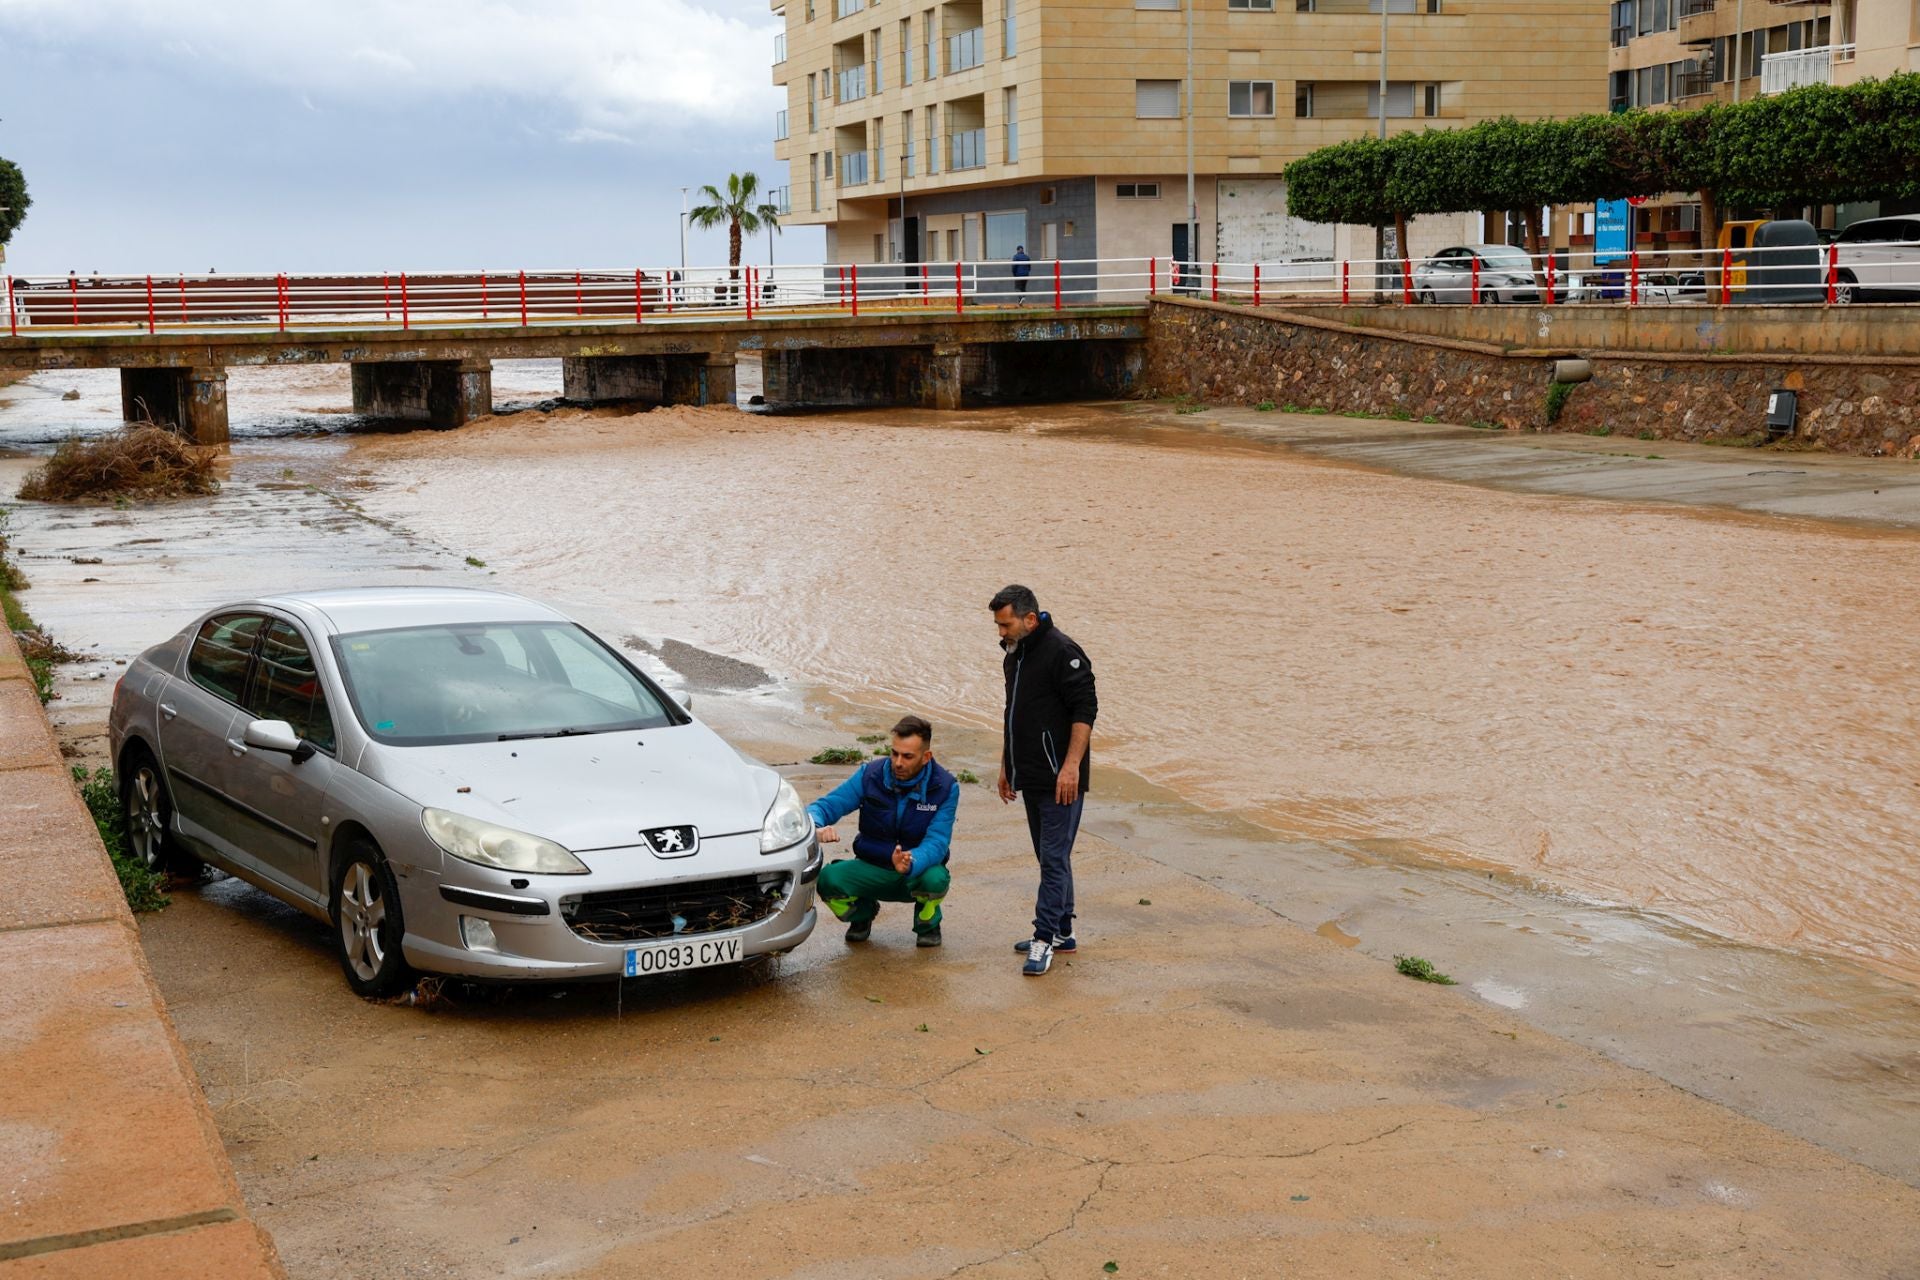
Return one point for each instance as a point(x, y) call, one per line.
point(1156, 99)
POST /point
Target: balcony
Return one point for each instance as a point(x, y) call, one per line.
point(781, 198)
point(853, 84)
point(780, 48)
point(780, 126)
point(1693, 84)
point(853, 169)
point(1780, 72)
point(967, 149)
point(1696, 21)
point(966, 50)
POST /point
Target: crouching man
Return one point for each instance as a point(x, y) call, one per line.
point(906, 805)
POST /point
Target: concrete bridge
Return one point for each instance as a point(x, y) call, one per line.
point(442, 376)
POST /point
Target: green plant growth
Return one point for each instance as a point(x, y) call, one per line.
point(1557, 393)
point(144, 887)
point(13, 198)
point(1415, 967)
point(871, 738)
point(476, 562)
point(967, 777)
point(838, 755)
point(1265, 406)
point(1598, 431)
point(1646, 435)
point(740, 210)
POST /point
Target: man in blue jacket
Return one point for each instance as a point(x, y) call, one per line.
point(906, 805)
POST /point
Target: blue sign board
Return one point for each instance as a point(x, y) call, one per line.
point(1612, 228)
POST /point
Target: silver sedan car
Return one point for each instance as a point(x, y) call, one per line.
point(1505, 274)
point(459, 782)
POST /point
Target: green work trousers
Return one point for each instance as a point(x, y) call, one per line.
point(853, 890)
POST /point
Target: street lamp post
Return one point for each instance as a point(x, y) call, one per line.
point(1193, 204)
point(1380, 232)
point(1737, 24)
point(683, 235)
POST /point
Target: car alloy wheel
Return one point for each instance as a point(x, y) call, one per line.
point(1843, 290)
point(148, 813)
point(366, 913)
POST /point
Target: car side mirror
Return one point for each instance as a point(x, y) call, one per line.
point(277, 735)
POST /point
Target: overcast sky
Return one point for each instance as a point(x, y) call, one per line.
point(264, 135)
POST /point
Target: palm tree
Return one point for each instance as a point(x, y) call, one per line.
point(740, 208)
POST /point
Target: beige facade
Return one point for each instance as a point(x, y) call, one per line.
point(1072, 113)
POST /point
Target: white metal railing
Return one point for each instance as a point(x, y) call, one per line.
point(1782, 71)
point(779, 48)
point(1814, 275)
point(780, 125)
point(853, 168)
point(966, 50)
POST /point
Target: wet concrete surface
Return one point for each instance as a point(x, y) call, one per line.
point(1205, 1089)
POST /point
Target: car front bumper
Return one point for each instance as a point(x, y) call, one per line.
point(542, 946)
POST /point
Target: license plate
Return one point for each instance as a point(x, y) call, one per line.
point(669, 956)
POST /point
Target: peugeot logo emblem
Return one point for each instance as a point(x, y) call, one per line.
point(672, 842)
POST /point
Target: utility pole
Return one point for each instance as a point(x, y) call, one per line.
point(1193, 204)
point(1738, 22)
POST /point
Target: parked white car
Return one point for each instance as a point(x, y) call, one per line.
point(1878, 259)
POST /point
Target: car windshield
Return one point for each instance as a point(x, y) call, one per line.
point(1506, 259)
point(490, 682)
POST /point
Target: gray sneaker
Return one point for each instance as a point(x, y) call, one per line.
point(1039, 958)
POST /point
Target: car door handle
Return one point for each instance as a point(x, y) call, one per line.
point(167, 711)
point(238, 747)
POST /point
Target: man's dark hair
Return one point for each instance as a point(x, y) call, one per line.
point(1020, 598)
point(914, 727)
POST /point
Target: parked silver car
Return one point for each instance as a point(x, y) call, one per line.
point(1878, 260)
point(1506, 275)
point(460, 782)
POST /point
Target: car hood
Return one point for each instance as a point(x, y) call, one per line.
point(596, 791)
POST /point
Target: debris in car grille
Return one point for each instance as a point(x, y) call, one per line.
point(674, 910)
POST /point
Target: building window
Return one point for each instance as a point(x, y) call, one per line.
point(1156, 99)
point(780, 48)
point(1399, 99)
point(1303, 101)
point(1049, 240)
point(906, 143)
point(966, 50)
point(780, 126)
point(1262, 6)
point(1012, 107)
point(1250, 98)
point(1005, 233)
point(847, 8)
point(1430, 100)
point(1009, 38)
point(1137, 190)
point(1156, 4)
point(1622, 23)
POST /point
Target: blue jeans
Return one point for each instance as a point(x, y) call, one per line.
point(1053, 827)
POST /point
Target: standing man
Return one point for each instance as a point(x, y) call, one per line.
point(1022, 268)
point(1043, 759)
point(906, 805)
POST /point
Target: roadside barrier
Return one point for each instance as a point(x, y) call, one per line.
point(1810, 275)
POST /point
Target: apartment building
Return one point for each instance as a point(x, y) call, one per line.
point(1686, 53)
point(945, 130)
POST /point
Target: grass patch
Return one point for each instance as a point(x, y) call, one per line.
point(1415, 967)
point(1484, 426)
point(1429, 419)
point(1646, 435)
point(1265, 406)
point(837, 755)
point(476, 562)
point(144, 887)
point(1188, 408)
point(967, 777)
point(871, 738)
point(1597, 431)
point(140, 461)
point(881, 750)
point(1557, 393)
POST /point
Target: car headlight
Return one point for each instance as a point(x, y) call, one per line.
point(472, 840)
point(787, 822)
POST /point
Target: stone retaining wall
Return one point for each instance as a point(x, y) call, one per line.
point(111, 1162)
point(1864, 405)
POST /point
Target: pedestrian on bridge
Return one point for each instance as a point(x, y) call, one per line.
point(1051, 705)
point(906, 805)
point(1022, 268)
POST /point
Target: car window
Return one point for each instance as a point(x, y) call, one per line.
point(286, 686)
point(1909, 232)
point(420, 686)
point(218, 660)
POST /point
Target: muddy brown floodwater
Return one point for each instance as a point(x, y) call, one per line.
point(1711, 715)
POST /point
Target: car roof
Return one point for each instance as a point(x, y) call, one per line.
point(347, 609)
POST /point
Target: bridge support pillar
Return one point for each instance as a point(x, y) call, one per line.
point(943, 377)
point(440, 393)
point(613, 379)
point(191, 401)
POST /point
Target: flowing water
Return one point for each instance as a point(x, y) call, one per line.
point(1709, 715)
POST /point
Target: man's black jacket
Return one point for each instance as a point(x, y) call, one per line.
point(1049, 690)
